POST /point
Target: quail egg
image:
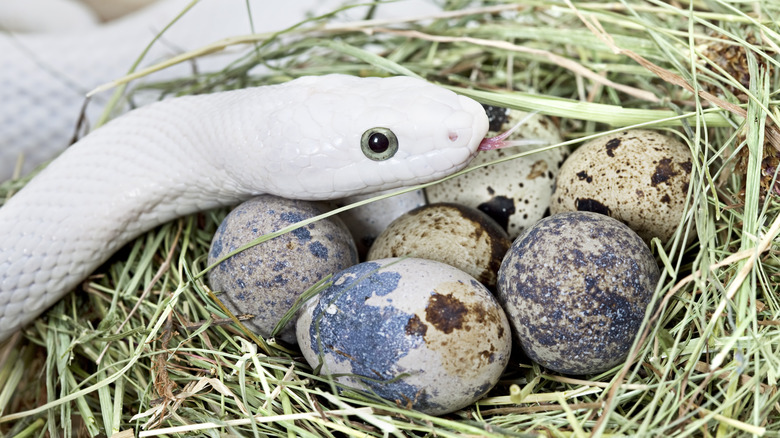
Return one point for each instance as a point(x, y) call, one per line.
point(514, 193)
point(576, 287)
point(460, 236)
point(416, 332)
point(368, 221)
point(265, 280)
point(639, 177)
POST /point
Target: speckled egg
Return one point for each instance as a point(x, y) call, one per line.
point(368, 221)
point(266, 279)
point(576, 287)
point(639, 177)
point(457, 235)
point(416, 332)
point(515, 193)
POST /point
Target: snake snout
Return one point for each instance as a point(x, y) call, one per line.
point(469, 125)
point(459, 128)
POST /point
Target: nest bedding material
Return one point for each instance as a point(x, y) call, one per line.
point(146, 349)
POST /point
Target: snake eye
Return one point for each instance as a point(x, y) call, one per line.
point(379, 144)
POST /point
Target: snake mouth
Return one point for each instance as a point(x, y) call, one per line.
point(491, 143)
point(501, 141)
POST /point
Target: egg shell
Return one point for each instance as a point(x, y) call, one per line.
point(457, 235)
point(413, 331)
point(576, 287)
point(514, 193)
point(639, 177)
point(368, 221)
point(266, 279)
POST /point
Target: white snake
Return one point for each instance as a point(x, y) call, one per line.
point(44, 75)
point(305, 139)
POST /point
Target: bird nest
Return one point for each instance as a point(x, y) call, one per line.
point(144, 347)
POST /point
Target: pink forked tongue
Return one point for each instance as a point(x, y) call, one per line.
point(500, 142)
point(497, 142)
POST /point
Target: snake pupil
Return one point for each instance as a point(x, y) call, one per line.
point(378, 142)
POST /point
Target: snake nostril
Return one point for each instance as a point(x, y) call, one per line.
point(453, 136)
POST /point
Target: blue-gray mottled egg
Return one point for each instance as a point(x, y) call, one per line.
point(413, 331)
point(265, 280)
point(576, 287)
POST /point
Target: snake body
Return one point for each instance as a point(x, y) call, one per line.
point(301, 139)
point(46, 71)
point(45, 74)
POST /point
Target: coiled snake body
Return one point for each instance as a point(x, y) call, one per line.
point(312, 138)
point(45, 74)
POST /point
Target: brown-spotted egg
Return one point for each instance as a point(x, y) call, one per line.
point(266, 279)
point(514, 193)
point(460, 236)
point(639, 177)
point(415, 332)
point(576, 287)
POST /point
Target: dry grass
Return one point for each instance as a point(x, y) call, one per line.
point(707, 361)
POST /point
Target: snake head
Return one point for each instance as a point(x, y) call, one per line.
point(364, 135)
